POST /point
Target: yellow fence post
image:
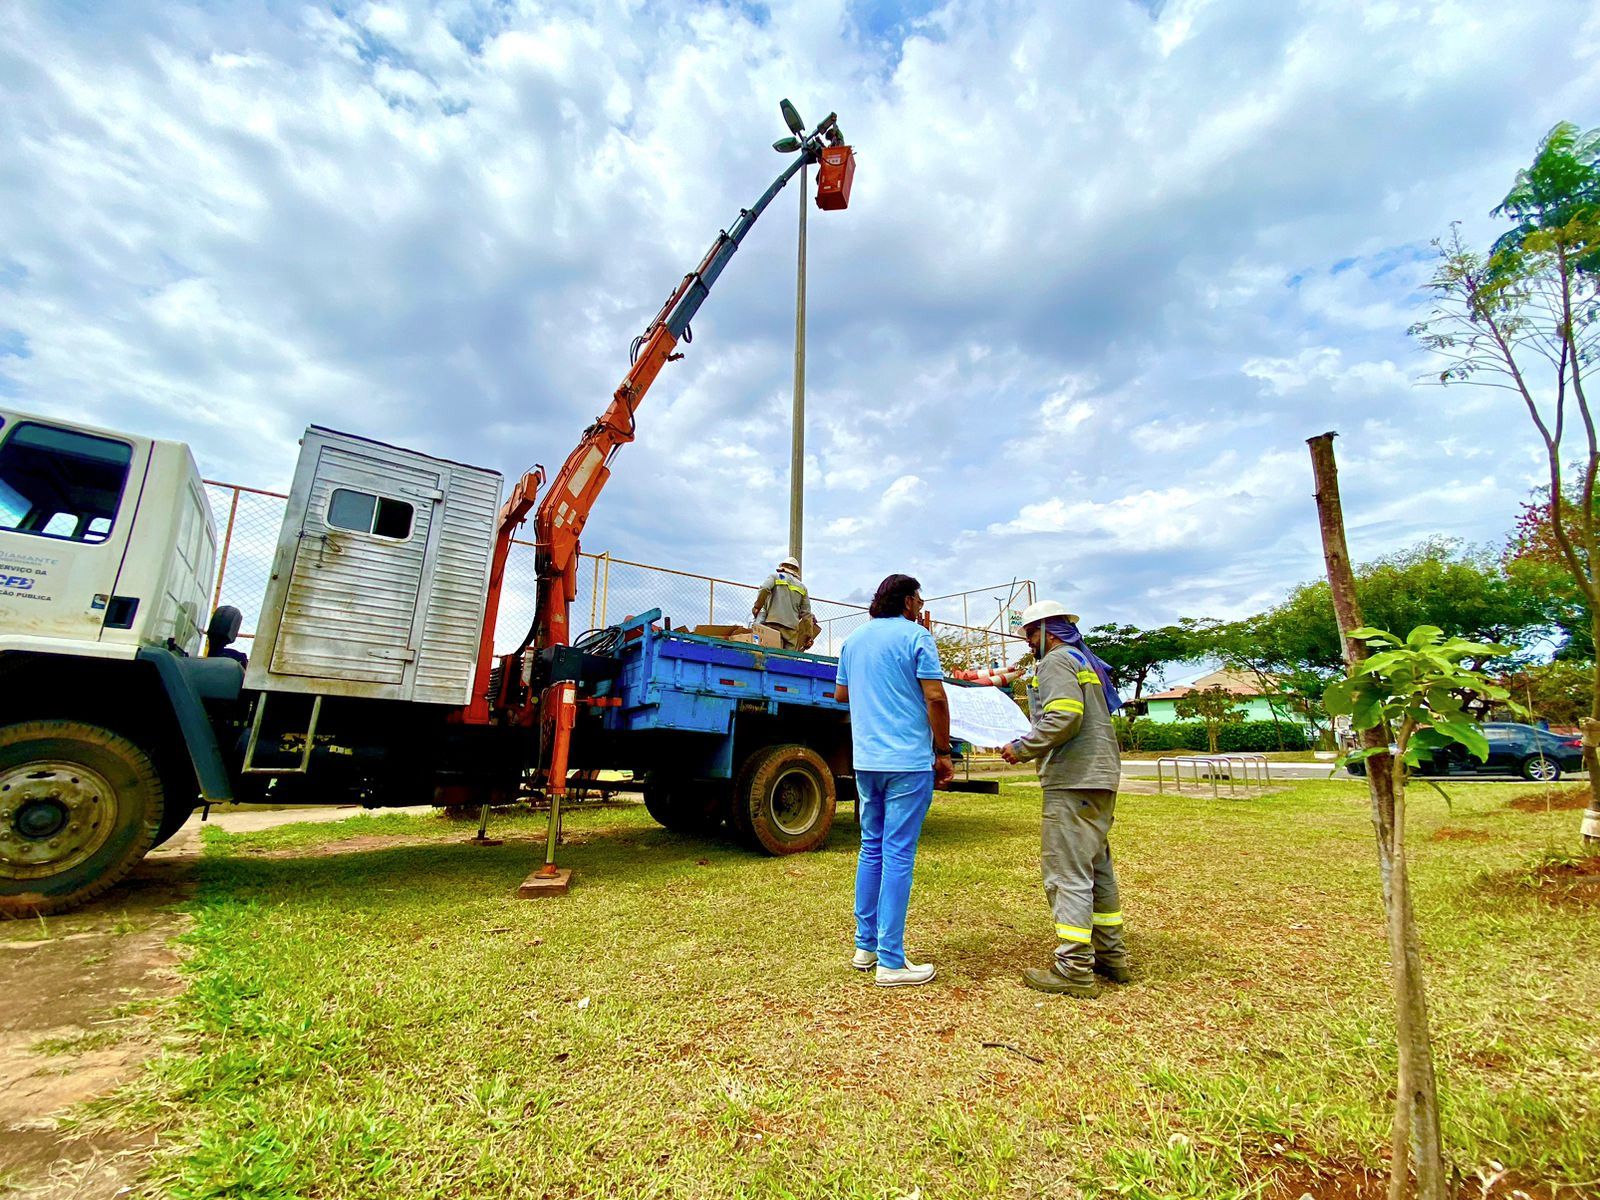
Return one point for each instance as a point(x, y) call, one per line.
point(594, 592)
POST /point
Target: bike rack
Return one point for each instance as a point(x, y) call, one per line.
point(1237, 770)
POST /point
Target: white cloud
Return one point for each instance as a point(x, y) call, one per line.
point(1103, 271)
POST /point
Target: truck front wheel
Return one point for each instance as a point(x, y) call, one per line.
point(79, 805)
point(786, 799)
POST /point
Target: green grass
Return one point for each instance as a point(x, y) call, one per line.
point(394, 1023)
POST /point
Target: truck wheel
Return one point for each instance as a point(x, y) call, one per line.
point(788, 799)
point(79, 805)
point(738, 805)
point(685, 805)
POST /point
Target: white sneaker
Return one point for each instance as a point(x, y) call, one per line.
point(864, 960)
point(909, 975)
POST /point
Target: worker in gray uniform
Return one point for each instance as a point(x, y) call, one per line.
point(1070, 701)
point(783, 604)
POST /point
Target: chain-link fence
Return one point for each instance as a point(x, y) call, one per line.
point(248, 520)
point(609, 589)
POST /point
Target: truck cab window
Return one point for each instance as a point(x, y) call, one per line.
point(59, 483)
point(366, 513)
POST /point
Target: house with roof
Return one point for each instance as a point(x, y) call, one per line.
point(1255, 695)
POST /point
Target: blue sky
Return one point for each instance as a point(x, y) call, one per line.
point(1107, 263)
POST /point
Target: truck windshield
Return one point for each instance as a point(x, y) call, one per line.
point(61, 483)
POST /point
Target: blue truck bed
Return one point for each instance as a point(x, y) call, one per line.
point(687, 682)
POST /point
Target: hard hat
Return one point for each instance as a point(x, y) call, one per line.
point(791, 562)
point(1041, 609)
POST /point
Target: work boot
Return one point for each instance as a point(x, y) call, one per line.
point(1113, 969)
point(1061, 982)
point(864, 960)
point(909, 975)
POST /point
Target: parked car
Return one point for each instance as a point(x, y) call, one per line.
point(1525, 750)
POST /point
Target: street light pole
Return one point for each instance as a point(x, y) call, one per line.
point(797, 454)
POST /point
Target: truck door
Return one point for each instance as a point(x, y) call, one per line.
point(67, 499)
point(350, 609)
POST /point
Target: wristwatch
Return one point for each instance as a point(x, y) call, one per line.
point(941, 752)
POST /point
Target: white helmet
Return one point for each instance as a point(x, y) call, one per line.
point(791, 564)
point(1042, 609)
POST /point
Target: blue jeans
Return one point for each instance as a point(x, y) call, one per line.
point(892, 806)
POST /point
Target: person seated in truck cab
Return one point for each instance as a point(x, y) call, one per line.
point(222, 632)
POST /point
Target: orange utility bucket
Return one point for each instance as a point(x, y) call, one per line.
point(837, 172)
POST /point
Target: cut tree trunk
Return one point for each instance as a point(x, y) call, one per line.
point(1416, 1142)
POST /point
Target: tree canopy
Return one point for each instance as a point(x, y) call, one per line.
point(1136, 655)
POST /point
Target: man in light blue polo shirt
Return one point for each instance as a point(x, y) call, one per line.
point(889, 674)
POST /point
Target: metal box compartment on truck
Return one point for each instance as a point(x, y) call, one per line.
point(378, 583)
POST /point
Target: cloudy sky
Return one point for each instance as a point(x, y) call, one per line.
point(1106, 266)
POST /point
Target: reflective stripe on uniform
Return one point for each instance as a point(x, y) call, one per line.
point(1111, 918)
point(1064, 705)
point(793, 587)
point(1088, 677)
point(1073, 933)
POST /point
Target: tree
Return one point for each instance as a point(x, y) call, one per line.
point(1136, 655)
point(1525, 318)
point(1557, 692)
point(1295, 646)
point(1533, 558)
point(1216, 706)
point(963, 651)
point(1410, 693)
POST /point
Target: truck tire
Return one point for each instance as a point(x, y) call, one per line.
point(79, 805)
point(738, 805)
point(685, 805)
point(788, 799)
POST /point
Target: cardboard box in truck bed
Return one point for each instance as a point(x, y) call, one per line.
point(761, 635)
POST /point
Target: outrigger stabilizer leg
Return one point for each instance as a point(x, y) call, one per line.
point(559, 710)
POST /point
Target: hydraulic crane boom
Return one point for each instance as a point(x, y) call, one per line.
point(565, 508)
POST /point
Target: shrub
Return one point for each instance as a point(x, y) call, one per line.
point(1239, 737)
point(1262, 736)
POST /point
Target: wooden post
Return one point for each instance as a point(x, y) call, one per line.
point(1415, 1135)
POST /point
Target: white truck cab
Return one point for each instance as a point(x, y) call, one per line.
point(107, 552)
point(106, 540)
point(114, 724)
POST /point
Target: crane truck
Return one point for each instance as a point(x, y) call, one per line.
point(372, 676)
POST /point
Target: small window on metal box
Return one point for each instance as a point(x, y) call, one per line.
point(60, 483)
point(366, 513)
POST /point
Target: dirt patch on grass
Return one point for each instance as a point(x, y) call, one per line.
point(1450, 833)
point(1343, 1181)
point(1565, 799)
point(1566, 881)
point(80, 990)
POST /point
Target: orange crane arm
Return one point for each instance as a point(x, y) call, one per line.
point(561, 515)
point(575, 488)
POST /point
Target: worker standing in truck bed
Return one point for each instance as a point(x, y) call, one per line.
point(783, 604)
